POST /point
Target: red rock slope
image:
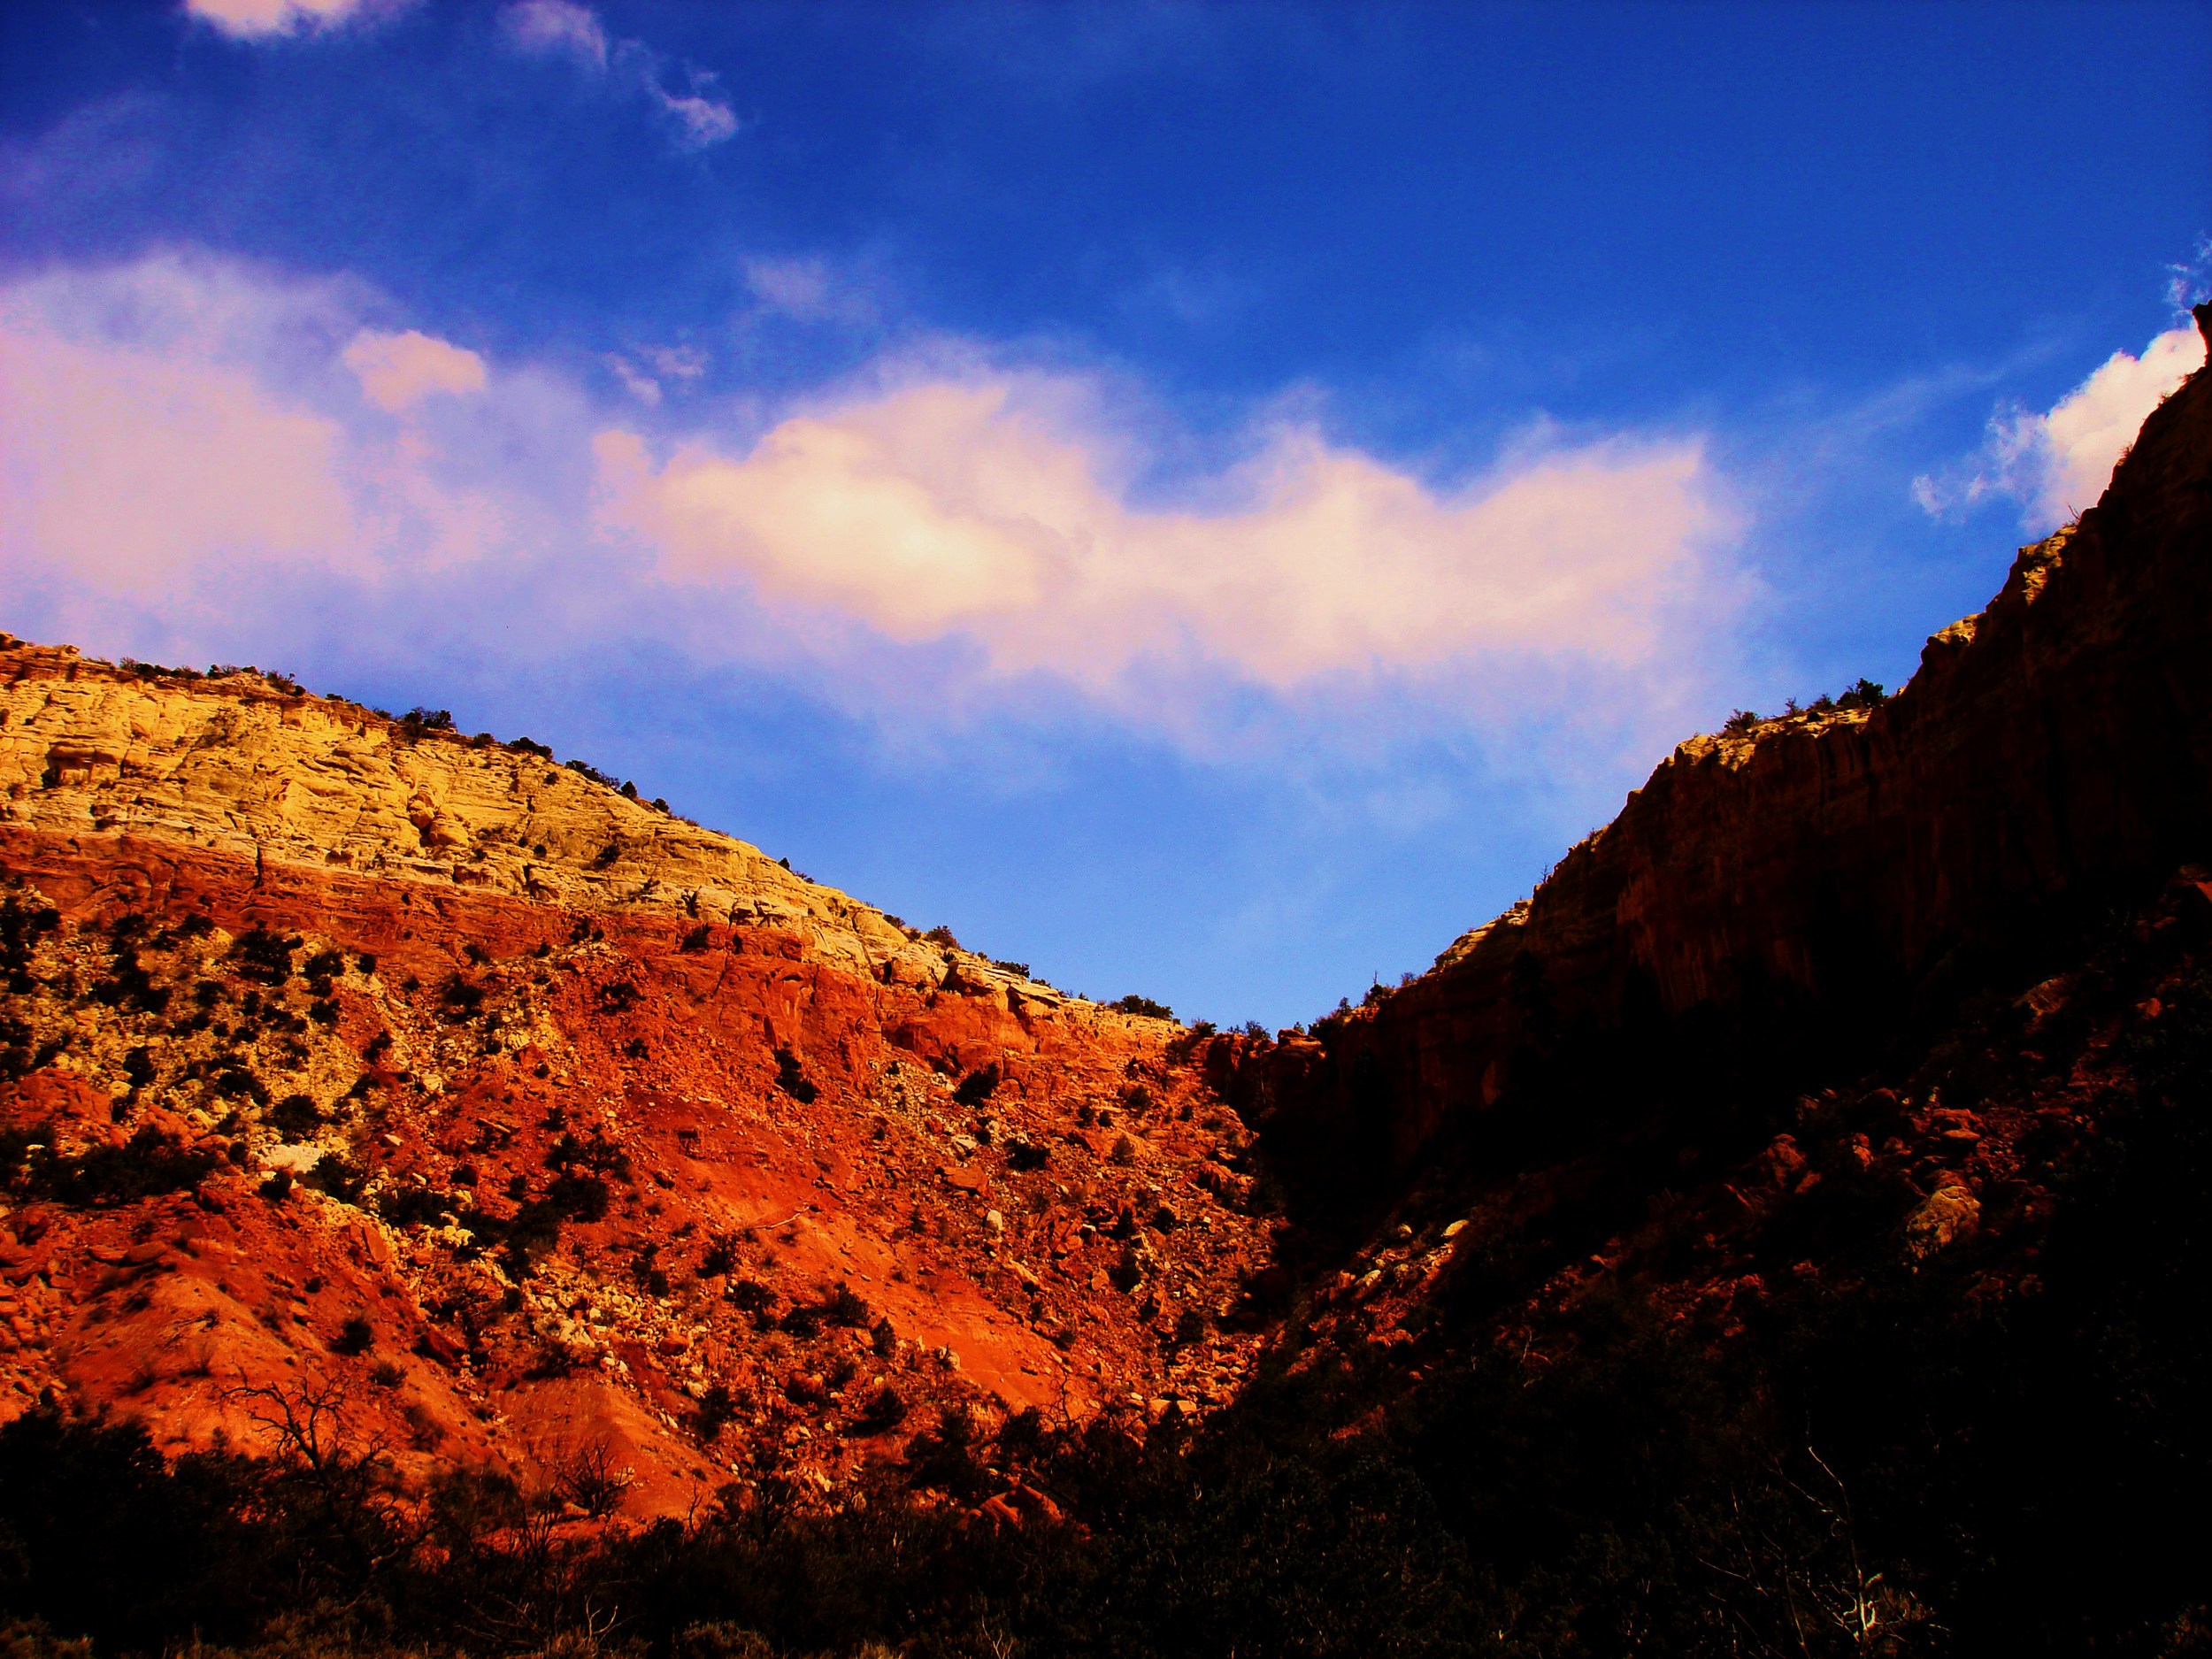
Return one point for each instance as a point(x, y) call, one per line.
point(343, 1060)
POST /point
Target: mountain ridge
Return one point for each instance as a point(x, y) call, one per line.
point(1793, 886)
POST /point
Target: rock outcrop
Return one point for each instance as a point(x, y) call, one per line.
point(233, 763)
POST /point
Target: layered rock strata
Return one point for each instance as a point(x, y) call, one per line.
point(235, 763)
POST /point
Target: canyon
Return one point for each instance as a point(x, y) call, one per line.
point(356, 1071)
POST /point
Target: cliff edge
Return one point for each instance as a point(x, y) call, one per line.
point(1792, 895)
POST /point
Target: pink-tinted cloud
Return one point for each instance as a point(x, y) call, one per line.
point(984, 508)
point(2056, 464)
point(126, 466)
point(167, 425)
point(398, 371)
point(188, 438)
point(249, 20)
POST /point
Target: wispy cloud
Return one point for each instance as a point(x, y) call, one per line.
point(563, 28)
point(633, 379)
point(811, 290)
point(1190, 298)
point(635, 373)
point(677, 362)
point(559, 26)
point(2054, 464)
point(702, 120)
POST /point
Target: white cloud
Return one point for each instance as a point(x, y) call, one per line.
point(2056, 464)
point(251, 20)
point(399, 371)
point(985, 509)
point(2087, 430)
point(567, 30)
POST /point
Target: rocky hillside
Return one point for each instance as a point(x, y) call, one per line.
point(1781, 1233)
point(348, 1059)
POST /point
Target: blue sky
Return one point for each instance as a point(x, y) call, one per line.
point(1206, 500)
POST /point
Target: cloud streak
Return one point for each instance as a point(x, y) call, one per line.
point(260, 19)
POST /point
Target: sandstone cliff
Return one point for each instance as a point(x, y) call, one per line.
point(243, 766)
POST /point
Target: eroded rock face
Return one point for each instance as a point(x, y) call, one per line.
point(1820, 878)
point(252, 767)
point(554, 1132)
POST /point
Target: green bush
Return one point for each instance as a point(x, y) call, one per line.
point(717, 1407)
point(1863, 694)
point(885, 1410)
point(416, 1206)
point(844, 1307)
point(718, 1259)
point(578, 1197)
